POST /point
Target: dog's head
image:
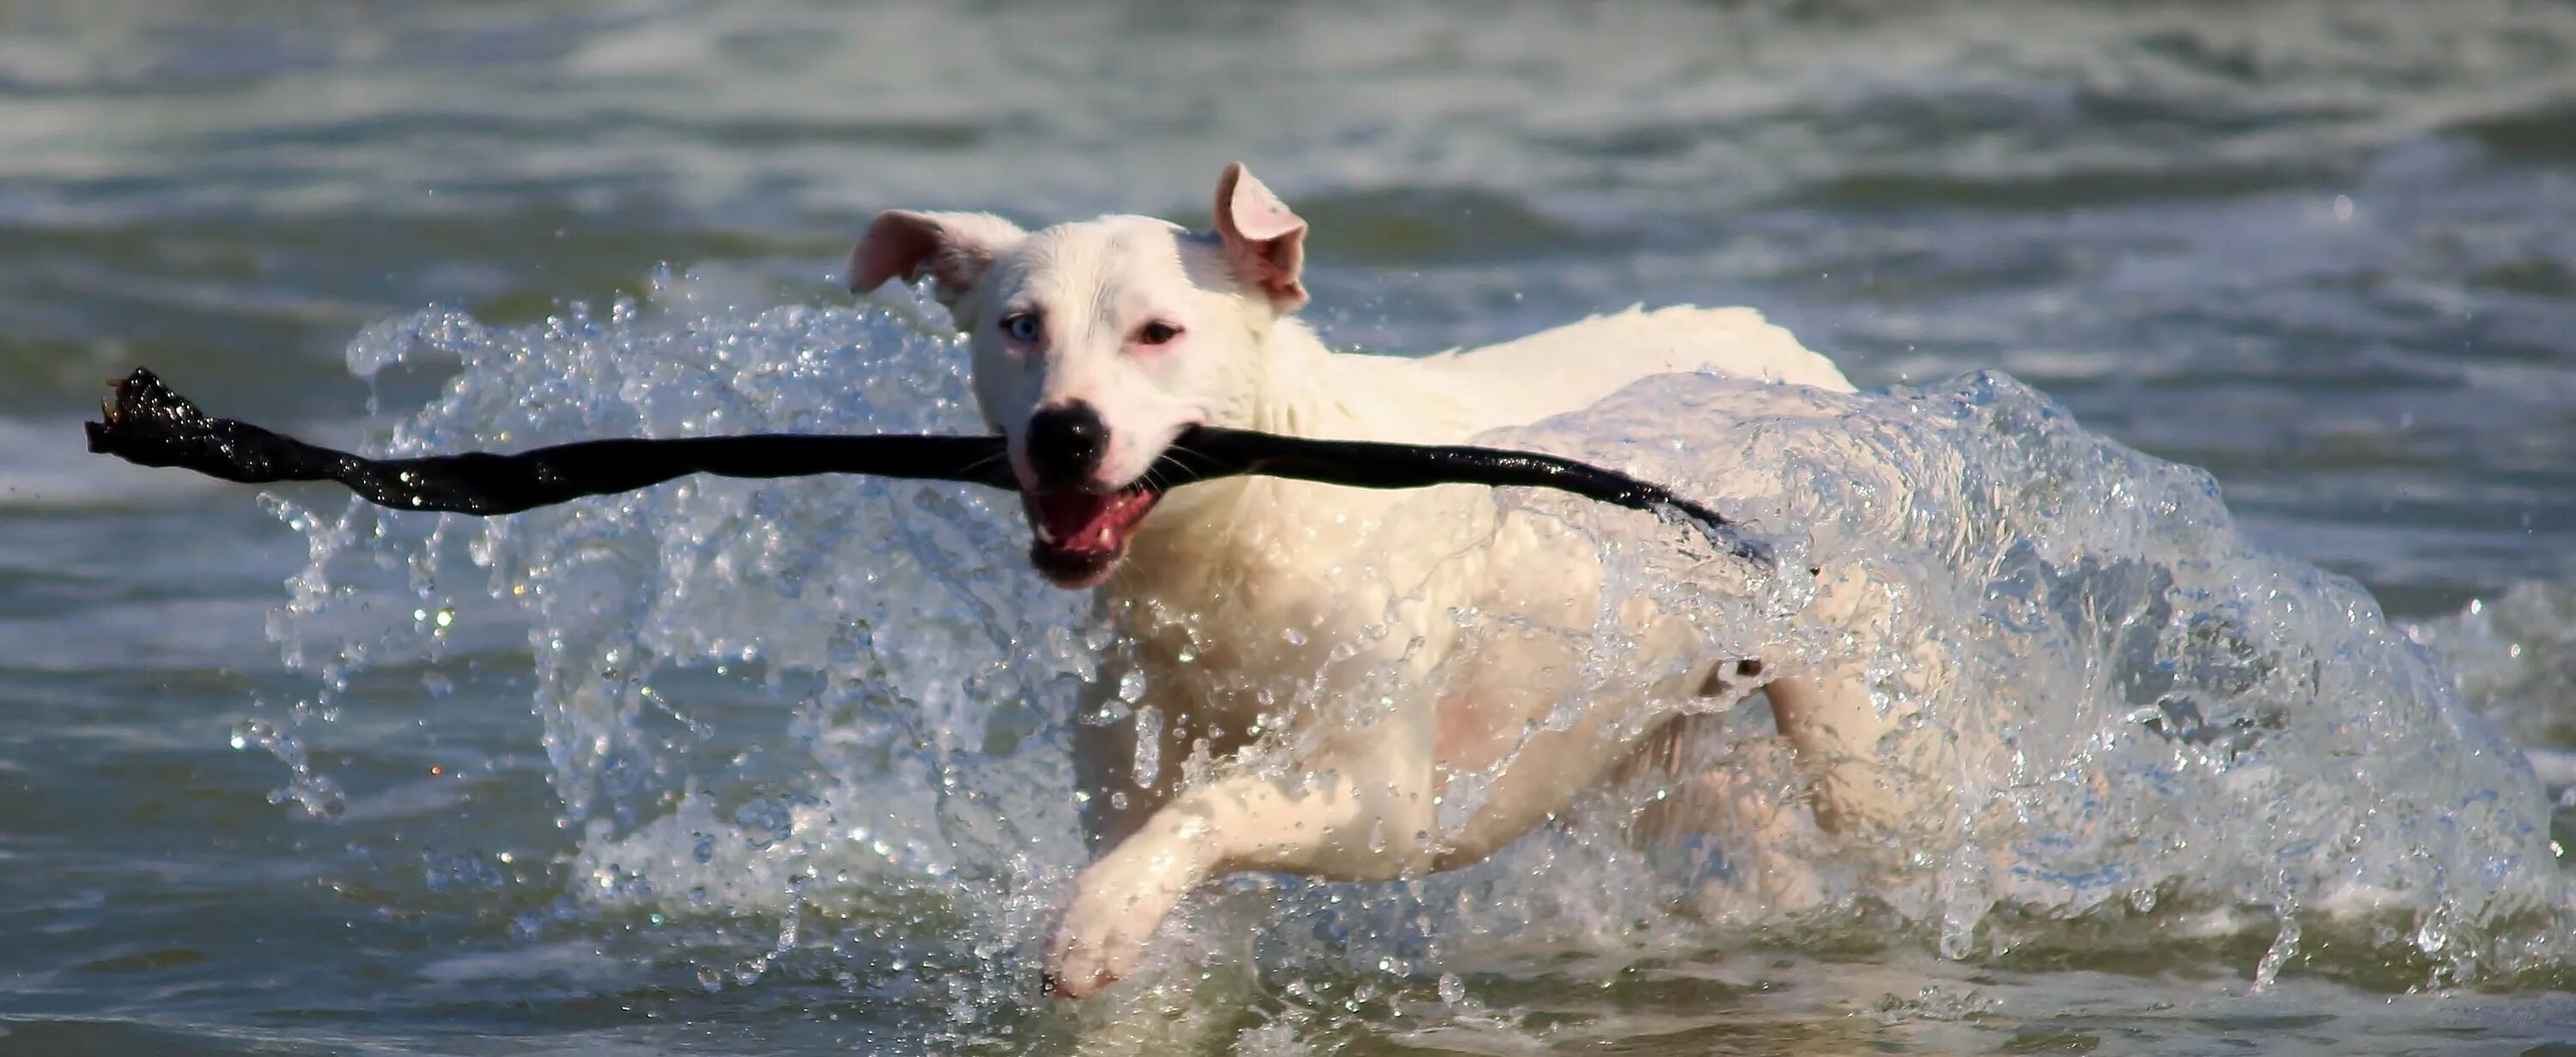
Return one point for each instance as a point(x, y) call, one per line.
point(1097, 343)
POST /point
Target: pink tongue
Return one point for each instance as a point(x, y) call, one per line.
point(1076, 518)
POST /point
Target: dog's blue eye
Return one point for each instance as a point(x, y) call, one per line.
point(1022, 326)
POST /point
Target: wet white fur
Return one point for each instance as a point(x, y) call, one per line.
point(1219, 569)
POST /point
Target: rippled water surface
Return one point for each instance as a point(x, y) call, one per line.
point(737, 768)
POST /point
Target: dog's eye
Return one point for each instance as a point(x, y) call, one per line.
point(1156, 333)
point(1022, 326)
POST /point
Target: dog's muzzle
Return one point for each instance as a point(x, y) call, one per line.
point(1081, 531)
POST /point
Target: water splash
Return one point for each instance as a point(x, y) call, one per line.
point(2150, 708)
point(2178, 733)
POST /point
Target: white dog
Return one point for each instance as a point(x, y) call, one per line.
point(1306, 689)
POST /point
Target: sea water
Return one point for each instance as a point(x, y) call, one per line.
point(2320, 249)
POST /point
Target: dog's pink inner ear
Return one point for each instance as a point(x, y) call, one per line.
point(954, 249)
point(1265, 244)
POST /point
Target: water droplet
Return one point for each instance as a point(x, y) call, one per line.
point(1149, 746)
point(1452, 990)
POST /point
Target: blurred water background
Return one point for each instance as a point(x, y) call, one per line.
point(285, 777)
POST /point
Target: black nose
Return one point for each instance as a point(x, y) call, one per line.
point(1066, 443)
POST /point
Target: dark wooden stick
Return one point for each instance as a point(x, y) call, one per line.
point(1208, 452)
point(147, 423)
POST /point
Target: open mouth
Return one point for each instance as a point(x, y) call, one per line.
point(1081, 535)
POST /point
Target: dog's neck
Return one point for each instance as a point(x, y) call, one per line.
point(1303, 389)
point(1292, 391)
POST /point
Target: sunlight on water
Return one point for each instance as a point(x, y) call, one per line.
point(2162, 735)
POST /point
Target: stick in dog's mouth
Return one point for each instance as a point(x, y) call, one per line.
point(1080, 537)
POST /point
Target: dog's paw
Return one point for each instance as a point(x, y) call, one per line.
point(1118, 903)
point(1083, 967)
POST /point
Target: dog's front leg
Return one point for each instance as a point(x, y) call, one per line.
point(1357, 815)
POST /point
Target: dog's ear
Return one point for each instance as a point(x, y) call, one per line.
point(953, 249)
point(1265, 244)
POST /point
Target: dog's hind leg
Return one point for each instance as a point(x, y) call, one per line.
point(1673, 759)
point(1877, 768)
point(1745, 792)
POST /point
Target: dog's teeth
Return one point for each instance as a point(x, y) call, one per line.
point(1044, 536)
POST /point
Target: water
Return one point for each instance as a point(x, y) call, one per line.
point(725, 768)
